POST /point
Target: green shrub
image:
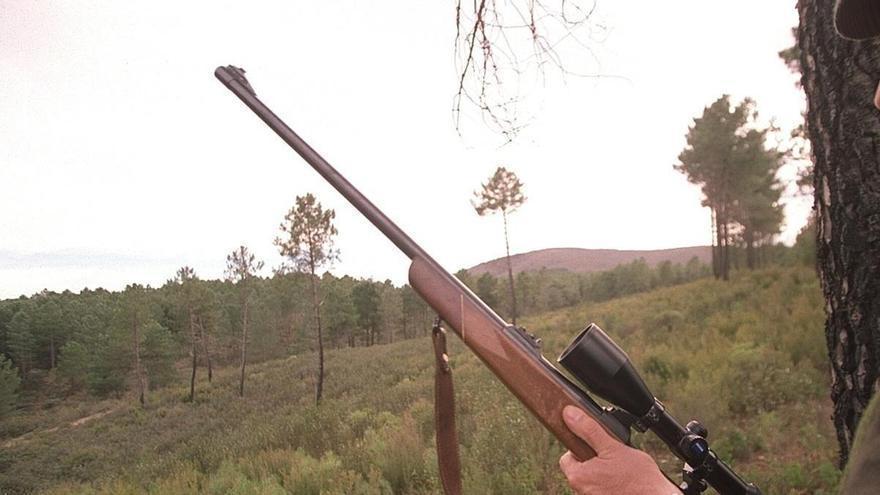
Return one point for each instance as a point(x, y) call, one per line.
point(793, 476)
point(732, 445)
point(828, 476)
point(668, 320)
point(396, 449)
point(158, 356)
point(229, 480)
point(185, 479)
point(758, 379)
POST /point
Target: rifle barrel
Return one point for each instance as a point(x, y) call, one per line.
point(518, 364)
point(233, 78)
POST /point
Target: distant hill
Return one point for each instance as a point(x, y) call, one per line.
point(587, 260)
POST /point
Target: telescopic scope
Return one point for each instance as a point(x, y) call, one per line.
point(595, 360)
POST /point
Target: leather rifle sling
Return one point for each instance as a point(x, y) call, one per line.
point(448, 459)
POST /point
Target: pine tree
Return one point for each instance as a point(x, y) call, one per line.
point(756, 190)
point(307, 241)
point(390, 310)
point(339, 310)
point(503, 192)
point(727, 157)
point(186, 280)
point(49, 327)
point(241, 269)
point(74, 364)
point(158, 353)
point(20, 338)
point(839, 78)
point(135, 314)
point(366, 302)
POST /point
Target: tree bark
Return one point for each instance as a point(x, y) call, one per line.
point(721, 263)
point(208, 359)
point(137, 359)
point(509, 270)
point(716, 245)
point(425, 317)
point(244, 334)
point(749, 236)
point(723, 251)
point(203, 338)
point(193, 338)
point(319, 389)
point(839, 78)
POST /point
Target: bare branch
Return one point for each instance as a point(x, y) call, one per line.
point(500, 45)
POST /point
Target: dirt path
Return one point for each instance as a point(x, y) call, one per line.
point(97, 415)
point(73, 424)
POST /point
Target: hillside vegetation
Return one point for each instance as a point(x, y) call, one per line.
point(746, 357)
point(54, 346)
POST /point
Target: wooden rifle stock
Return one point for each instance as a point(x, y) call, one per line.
point(511, 353)
point(513, 356)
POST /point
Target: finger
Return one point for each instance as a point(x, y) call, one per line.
point(568, 463)
point(576, 472)
point(589, 429)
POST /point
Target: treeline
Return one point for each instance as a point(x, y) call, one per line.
point(552, 289)
point(546, 290)
point(104, 343)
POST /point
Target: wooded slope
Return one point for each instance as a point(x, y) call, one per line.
point(588, 260)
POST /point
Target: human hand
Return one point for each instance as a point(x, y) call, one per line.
point(616, 468)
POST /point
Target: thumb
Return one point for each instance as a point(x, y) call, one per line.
point(589, 430)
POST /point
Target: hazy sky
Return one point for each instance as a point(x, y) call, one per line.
point(122, 158)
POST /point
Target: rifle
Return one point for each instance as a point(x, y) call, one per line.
point(514, 355)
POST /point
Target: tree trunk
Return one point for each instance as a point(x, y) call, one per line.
point(319, 389)
point(203, 337)
point(839, 78)
point(749, 236)
point(289, 328)
point(194, 339)
point(424, 320)
point(137, 359)
point(760, 251)
point(244, 334)
point(725, 266)
point(716, 245)
point(208, 358)
point(509, 270)
point(721, 233)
